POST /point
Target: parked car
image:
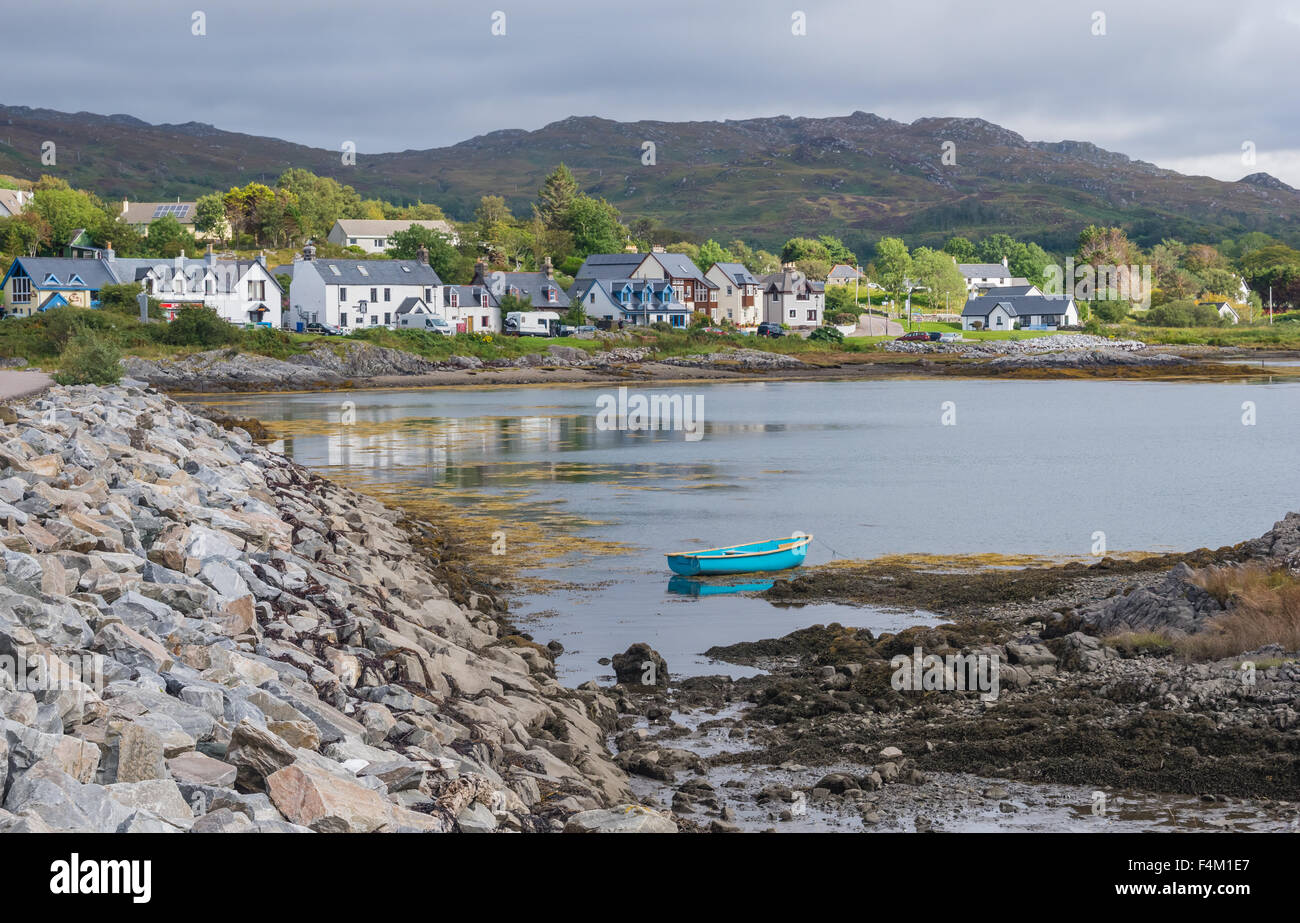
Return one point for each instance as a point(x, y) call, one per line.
point(950, 338)
point(934, 336)
point(770, 330)
point(325, 330)
point(912, 337)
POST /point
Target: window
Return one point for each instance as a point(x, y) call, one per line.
point(428, 296)
point(374, 294)
point(343, 294)
point(485, 321)
point(453, 299)
point(792, 312)
point(361, 269)
point(550, 295)
point(592, 298)
point(812, 315)
point(713, 295)
point(351, 241)
point(388, 294)
point(22, 290)
point(207, 286)
point(334, 269)
point(374, 319)
point(388, 318)
point(256, 290)
point(728, 289)
point(679, 320)
point(343, 320)
point(998, 322)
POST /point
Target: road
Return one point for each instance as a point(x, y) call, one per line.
point(872, 325)
point(14, 385)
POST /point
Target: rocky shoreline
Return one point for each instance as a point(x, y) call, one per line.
point(357, 365)
point(1093, 705)
point(197, 634)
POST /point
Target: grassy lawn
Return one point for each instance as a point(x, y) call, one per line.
point(1283, 335)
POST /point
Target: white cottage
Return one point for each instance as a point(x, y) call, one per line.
point(354, 293)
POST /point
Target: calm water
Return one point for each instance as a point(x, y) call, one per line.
point(1029, 467)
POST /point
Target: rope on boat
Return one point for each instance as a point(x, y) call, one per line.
point(834, 553)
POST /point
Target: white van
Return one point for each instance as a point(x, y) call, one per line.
point(532, 324)
point(427, 322)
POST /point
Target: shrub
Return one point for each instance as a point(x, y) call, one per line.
point(200, 327)
point(826, 335)
point(1111, 312)
point(1183, 314)
point(90, 360)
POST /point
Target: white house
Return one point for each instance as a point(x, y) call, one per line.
point(690, 286)
point(240, 291)
point(471, 308)
point(980, 276)
point(375, 236)
point(740, 295)
point(13, 201)
point(843, 274)
point(631, 302)
point(356, 293)
point(1226, 311)
point(792, 299)
point(996, 311)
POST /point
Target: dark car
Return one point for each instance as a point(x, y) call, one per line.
point(911, 337)
point(771, 330)
point(328, 330)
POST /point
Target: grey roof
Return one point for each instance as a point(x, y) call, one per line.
point(376, 272)
point(409, 304)
point(843, 271)
point(1016, 306)
point(786, 281)
point(469, 295)
point(531, 285)
point(681, 266)
point(645, 295)
point(382, 227)
point(609, 265)
point(984, 270)
point(95, 273)
point(1011, 291)
point(737, 273)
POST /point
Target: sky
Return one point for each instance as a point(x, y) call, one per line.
point(1199, 86)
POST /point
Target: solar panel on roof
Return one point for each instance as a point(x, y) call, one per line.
point(175, 209)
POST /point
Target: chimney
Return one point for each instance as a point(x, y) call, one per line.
point(422, 255)
point(261, 257)
point(125, 203)
point(548, 268)
point(309, 251)
point(480, 271)
point(1004, 261)
point(109, 254)
point(210, 256)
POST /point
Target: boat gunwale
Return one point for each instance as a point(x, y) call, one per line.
point(705, 553)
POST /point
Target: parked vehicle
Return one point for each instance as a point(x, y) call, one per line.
point(428, 322)
point(532, 324)
point(325, 330)
point(914, 336)
point(950, 338)
point(770, 330)
point(934, 336)
point(778, 554)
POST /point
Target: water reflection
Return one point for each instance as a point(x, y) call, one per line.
point(685, 586)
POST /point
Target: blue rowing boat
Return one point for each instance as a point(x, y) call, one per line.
point(778, 554)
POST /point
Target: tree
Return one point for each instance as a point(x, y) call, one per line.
point(66, 210)
point(1183, 313)
point(960, 249)
point(1029, 261)
point(319, 201)
point(246, 206)
point(936, 270)
point(995, 248)
point(210, 214)
point(167, 237)
point(840, 300)
point(893, 263)
point(1104, 246)
point(836, 251)
point(443, 257)
point(804, 248)
point(711, 252)
point(595, 226)
point(558, 192)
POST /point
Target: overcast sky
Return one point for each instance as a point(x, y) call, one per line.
point(1182, 84)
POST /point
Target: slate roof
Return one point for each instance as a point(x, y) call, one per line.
point(984, 270)
point(94, 273)
point(843, 271)
point(787, 280)
point(1016, 306)
point(531, 285)
point(376, 272)
point(375, 227)
point(737, 273)
point(681, 266)
point(1011, 291)
point(646, 294)
point(609, 265)
point(468, 296)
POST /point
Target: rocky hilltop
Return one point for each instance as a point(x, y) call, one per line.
point(198, 634)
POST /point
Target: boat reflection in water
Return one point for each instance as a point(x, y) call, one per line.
point(685, 586)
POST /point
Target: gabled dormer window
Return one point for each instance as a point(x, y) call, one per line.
point(453, 298)
point(76, 280)
point(550, 294)
point(626, 294)
point(51, 279)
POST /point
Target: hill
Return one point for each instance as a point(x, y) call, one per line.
point(858, 176)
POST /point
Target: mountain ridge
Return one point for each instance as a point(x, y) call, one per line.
point(766, 178)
